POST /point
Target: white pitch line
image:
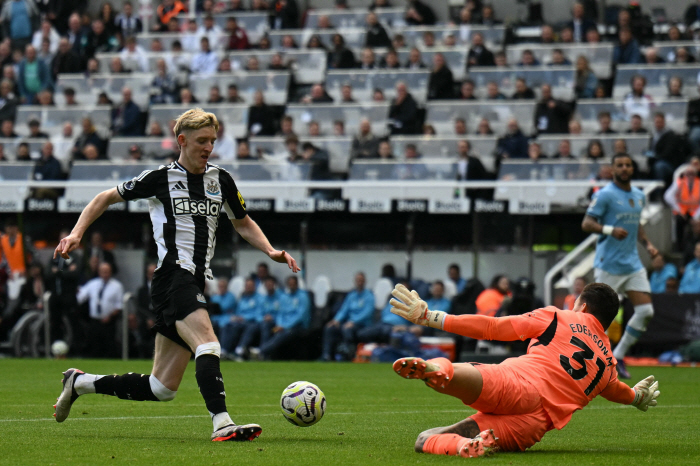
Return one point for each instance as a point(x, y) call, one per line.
point(137, 418)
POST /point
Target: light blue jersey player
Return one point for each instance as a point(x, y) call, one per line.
point(615, 212)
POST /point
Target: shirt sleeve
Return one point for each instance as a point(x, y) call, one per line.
point(618, 392)
point(481, 327)
point(143, 186)
point(234, 204)
point(598, 205)
point(533, 324)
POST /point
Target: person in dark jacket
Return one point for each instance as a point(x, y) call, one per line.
point(340, 57)
point(552, 115)
point(88, 137)
point(260, 117)
point(627, 52)
point(514, 144)
point(47, 167)
point(126, 118)
point(98, 40)
point(318, 95)
point(522, 91)
point(8, 101)
point(376, 34)
point(670, 150)
point(66, 60)
point(284, 14)
point(580, 25)
point(478, 54)
point(318, 157)
point(692, 119)
point(469, 166)
point(441, 83)
point(419, 14)
point(403, 113)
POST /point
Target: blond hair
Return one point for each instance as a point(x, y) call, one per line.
point(194, 119)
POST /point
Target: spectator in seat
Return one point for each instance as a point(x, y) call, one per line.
point(398, 42)
point(23, 154)
point(315, 42)
point(271, 303)
point(253, 64)
point(579, 24)
point(428, 39)
point(7, 131)
point(559, 59)
point(215, 96)
point(595, 150)
point(636, 125)
point(206, 61)
point(354, 315)
point(441, 81)
point(127, 23)
point(403, 112)
point(575, 127)
point(232, 96)
point(454, 274)
point(566, 35)
point(238, 38)
point(224, 146)
point(364, 143)
point(683, 196)
point(35, 131)
point(88, 136)
point(314, 129)
point(98, 41)
point(191, 41)
point(669, 150)
point(46, 32)
point(478, 54)
point(226, 302)
point(564, 151)
point(167, 10)
point(626, 52)
point(340, 57)
point(522, 91)
point(247, 311)
point(126, 118)
point(385, 151)
point(593, 36)
point(346, 94)
point(286, 127)
point(376, 36)
point(378, 95)
point(488, 16)
point(414, 61)
point(484, 128)
point(419, 14)
point(528, 59)
point(319, 158)
point(552, 115)
point(390, 60)
point(489, 301)
point(514, 144)
point(318, 95)
point(675, 88)
point(33, 76)
point(105, 295)
point(604, 122)
point(661, 272)
point(579, 284)
point(8, 101)
point(501, 59)
point(164, 87)
point(243, 150)
point(534, 152)
point(547, 34)
point(367, 60)
point(493, 92)
point(437, 298)
point(682, 55)
point(69, 97)
point(380, 332)
point(469, 167)
point(134, 54)
point(277, 63)
point(285, 14)
point(116, 66)
point(466, 91)
point(339, 128)
point(586, 80)
point(651, 56)
point(47, 167)
point(690, 283)
point(76, 33)
point(260, 117)
point(324, 22)
point(18, 18)
point(292, 320)
point(213, 32)
point(460, 126)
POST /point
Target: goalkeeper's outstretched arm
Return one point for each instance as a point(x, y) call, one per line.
point(641, 396)
point(408, 305)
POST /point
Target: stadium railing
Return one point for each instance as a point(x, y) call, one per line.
point(456, 59)
point(657, 77)
point(87, 88)
point(599, 55)
point(351, 114)
point(255, 23)
point(667, 49)
point(354, 37)
point(364, 82)
point(587, 111)
point(356, 17)
point(339, 149)
point(52, 119)
point(442, 114)
point(562, 79)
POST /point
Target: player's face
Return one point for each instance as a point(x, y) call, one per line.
point(196, 147)
point(623, 169)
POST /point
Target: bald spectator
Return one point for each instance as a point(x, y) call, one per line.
point(403, 112)
point(551, 115)
point(47, 167)
point(364, 143)
point(441, 81)
point(33, 76)
point(317, 95)
point(514, 144)
point(126, 118)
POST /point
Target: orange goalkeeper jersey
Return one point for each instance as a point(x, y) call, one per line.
point(569, 360)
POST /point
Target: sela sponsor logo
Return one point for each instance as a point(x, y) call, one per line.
point(260, 205)
point(41, 204)
point(204, 208)
point(335, 205)
point(370, 206)
point(407, 205)
point(295, 205)
point(481, 205)
point(529, 207)
point(11, 205)
point(451, 206)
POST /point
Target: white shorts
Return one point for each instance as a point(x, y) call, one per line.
point(637, 281)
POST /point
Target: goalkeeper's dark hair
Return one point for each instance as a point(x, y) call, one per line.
point(601, 302)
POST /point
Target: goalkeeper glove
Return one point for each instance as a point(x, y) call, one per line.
point(409, 306)
point(645, 393)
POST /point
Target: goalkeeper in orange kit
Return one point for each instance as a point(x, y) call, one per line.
point(568, 363)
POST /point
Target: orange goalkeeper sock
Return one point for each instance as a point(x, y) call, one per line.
point(444, 444)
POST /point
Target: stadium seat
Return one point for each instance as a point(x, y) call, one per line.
point(321, 289)
point(382, 291)
point(450, 289)
point(235, 286)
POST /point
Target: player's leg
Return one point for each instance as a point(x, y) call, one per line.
point(638, 291)
point(196, 330)
point(467, 429)
point(461, 380)
point(169, 365)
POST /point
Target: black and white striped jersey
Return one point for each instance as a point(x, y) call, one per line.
point(184, 210)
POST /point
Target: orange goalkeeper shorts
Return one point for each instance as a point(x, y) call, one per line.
point(510, 406)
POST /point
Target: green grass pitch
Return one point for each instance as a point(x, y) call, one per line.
point(373, 417)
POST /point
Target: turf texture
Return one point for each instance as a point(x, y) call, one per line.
point(373, 417)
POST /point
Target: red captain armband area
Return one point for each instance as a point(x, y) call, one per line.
point(481, 327)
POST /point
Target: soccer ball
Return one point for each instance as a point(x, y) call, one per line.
point(303, 404)
point(59, 348)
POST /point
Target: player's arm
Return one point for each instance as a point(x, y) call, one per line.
point(408, 305)
point(92, 212)
point(591, 225)
point(641, 396)
point(251, 232)
point(642, 238)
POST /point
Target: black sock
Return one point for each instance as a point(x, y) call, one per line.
point(129, 386)
point(211, 383)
